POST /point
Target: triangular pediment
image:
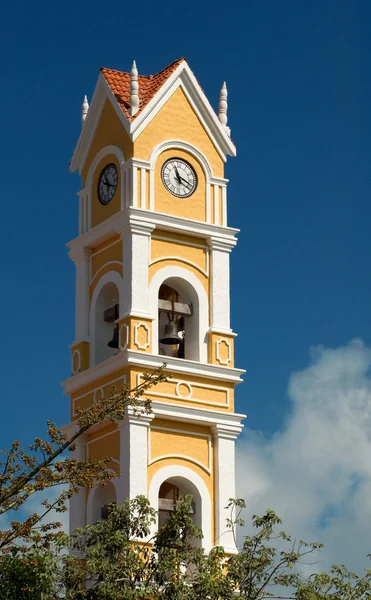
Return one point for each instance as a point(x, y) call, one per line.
point(154, 92)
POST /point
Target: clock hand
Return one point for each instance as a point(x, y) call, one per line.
point(185, 181)
point(177, 175)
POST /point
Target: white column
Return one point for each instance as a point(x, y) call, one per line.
point(216, 205)
point(225, 486)
point(143, 188)
point(136, 238)
point(81, 258)
point(133, 455)
point(77, 510)
point(220, 285)
point(224, 205)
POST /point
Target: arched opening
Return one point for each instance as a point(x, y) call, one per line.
point(102, 499)
point(105, 330)
point(170, 492)
point(178, 320)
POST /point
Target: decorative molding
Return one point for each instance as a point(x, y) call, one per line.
point(84, 110)
point(184, 456)
point(180, 472)
point(119, 221)
point(147, 360)
point(110, 262)
point(231, 422)
point(191, 398)
point(76, 353)
point(101, 392)
point(134, 89)
point(92, 392)
point(124, 328)
point(188, 385)
point(136, 341)
point(223, 108)
point(217, 353)
point(197, 295)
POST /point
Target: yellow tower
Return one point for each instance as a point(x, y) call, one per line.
point(152, 286)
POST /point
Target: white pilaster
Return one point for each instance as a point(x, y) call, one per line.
point(77, 512)
point(133, 455)
point(220, 301)
point(81, 258)
point(136, 247)
point(224, 438)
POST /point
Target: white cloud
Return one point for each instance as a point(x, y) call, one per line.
point(316, 472)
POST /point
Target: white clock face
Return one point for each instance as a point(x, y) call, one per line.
point(179, 177)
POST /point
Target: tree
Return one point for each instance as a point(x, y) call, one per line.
point(46, 465)
point(122, 562)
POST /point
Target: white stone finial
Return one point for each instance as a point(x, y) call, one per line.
point(134, 89)
point(85, 109)
point(223, 107)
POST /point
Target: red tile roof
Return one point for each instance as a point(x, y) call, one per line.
point(119, 83)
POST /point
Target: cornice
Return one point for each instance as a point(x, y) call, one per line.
point(145, 360)
point(148, 220)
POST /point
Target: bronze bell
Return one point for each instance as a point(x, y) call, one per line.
point(114, 343)
point(171, 336)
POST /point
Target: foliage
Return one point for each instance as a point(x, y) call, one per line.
point(121, 561)
point(29, 575)
point(45, 465)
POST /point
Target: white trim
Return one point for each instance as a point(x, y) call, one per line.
point(126, 343)
point(136, 341)
point(183, 456)
point(178, 471)
point(96, 252)
point(190, 397)
point(148, 360)
point(134, 186)
point(113, 225)
point(78, 354)
point(224, 206)
point(99, 389)
point(118, 153)
point(172, 240)
point(187, 385)
point(216, 205)
point(181, 242)
point(229, 422)
point(104, 436)
point(184, 78)
point(203, 305)
point(109, 277)
point(179, 259)
point(91, 494)
point(218, 358)
point(143, 188)
point(110, 262)
point(93, 392)
point(181, 145)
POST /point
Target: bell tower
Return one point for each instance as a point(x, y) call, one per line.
point(152, 286)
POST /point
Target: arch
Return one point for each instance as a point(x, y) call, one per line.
point(187, 147)
point(97, 497)
point(111, 277)
point(116, 151)
point(187, 479)
point(184, 280)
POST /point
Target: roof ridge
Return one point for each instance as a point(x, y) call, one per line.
point(178, 61)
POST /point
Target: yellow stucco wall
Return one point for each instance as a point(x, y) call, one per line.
point(189, 390)
point(178, 121)
point(106, 253)
point(169, 440)
point(192, 255)
point(110, 131)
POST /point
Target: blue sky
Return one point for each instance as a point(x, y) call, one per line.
point(298, 76)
